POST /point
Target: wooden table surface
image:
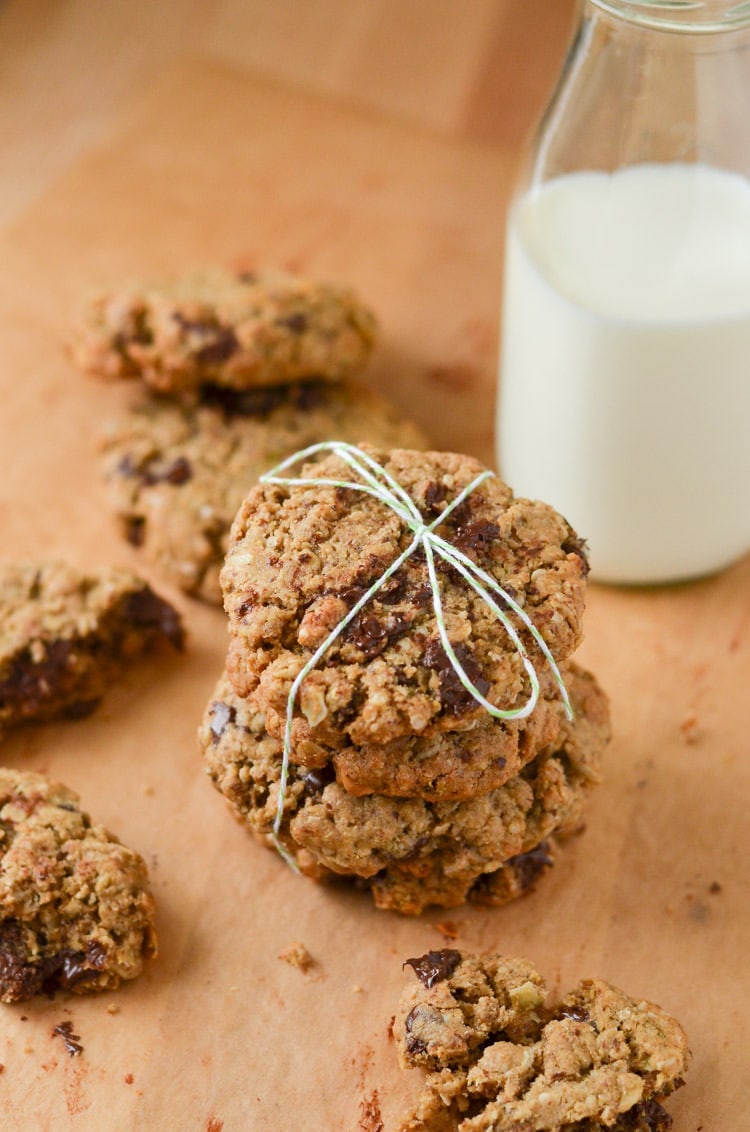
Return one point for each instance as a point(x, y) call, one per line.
point(373, 141)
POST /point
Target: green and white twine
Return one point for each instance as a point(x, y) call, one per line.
point(376, 481)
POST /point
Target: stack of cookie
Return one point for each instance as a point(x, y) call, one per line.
point(239, 371)
point(377, 718)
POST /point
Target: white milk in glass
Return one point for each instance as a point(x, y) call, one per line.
point(625, 372)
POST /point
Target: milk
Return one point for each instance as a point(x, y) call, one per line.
point(625, 370)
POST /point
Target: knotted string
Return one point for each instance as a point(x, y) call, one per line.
point(377, 482)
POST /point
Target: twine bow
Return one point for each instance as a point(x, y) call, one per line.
point(376, 481)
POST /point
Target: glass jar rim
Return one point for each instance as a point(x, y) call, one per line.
point(680, 15)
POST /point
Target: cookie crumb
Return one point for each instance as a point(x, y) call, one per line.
point(297, 955)
point(448, 929)
point(690, 730)
point(357, 989)
point(113, 1008)
point(714, 888)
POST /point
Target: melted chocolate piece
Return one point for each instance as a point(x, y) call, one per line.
point(575, 545)
point(476, 536)
point(648, 1116)
point(135, 530)
point(146, 610)
point(21, 980)
point(221, 716)
point(434, 498)
point(413, 1044)
point(296, 322)
point(454, 698)
point(153, 471)
point(316, 780)
point(31, 682)
point(221, 341)
point(371, 634)
point(434, 967)
point(529, 866)
point(72, 1041)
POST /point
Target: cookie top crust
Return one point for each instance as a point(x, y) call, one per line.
point(238, 331)
point(301, 556)
point(177, 473)
point(75, 910)
point(64, 633)
point(501, 1058)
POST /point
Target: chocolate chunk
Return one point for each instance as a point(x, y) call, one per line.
point(371, 634)
point(529, 866)
point(296, 322)
point(476, 536)
point(221, 716)
point(72, 1041)
point(177, 471)
point(146, 610)
point(434, 967)
point(434, 498)
point(221, 340)
point(575, 545)
point(19, 979)
point(31, 682)
point(316, 780)
point(454, 697)
point(135, 530)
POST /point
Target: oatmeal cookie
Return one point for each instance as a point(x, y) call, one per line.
point(75, 911)
point(239, 331)
point(412, 853)
point(178, 473)
point(64, 634)
point(499, 1058)
point(301, 556)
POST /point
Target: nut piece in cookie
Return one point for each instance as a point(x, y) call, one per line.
point(302, 555)
point(75, 911)
point(64, 634)
point(500, 1058)
point(177, 473)
point(238, 331)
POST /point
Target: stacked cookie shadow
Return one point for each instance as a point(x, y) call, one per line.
point(237, 371)
point(341, 731)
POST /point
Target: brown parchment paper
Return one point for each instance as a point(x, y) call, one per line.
point(219, 1033)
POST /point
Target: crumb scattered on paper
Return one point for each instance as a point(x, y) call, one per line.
point(297, 955)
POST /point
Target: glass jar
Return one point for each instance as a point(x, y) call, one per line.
point(624, 395)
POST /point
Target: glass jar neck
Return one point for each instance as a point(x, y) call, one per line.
point(686, 16)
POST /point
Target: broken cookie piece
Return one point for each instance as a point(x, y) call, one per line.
point(75, 910)
point(501, 1058)
point(64, 634)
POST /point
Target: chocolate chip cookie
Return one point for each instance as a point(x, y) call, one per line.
point(177, 473)
point(410, 852)
point(65, 633)
point(75, 910)
point(301, 556)
point(500, 1058)
point(238, 331)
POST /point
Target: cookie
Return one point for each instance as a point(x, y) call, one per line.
point(75, 910)
point(64, 635)
point(178, 473)
point(239, 331)
point(499, 1058)
point(301, 556)
point(411, 853)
